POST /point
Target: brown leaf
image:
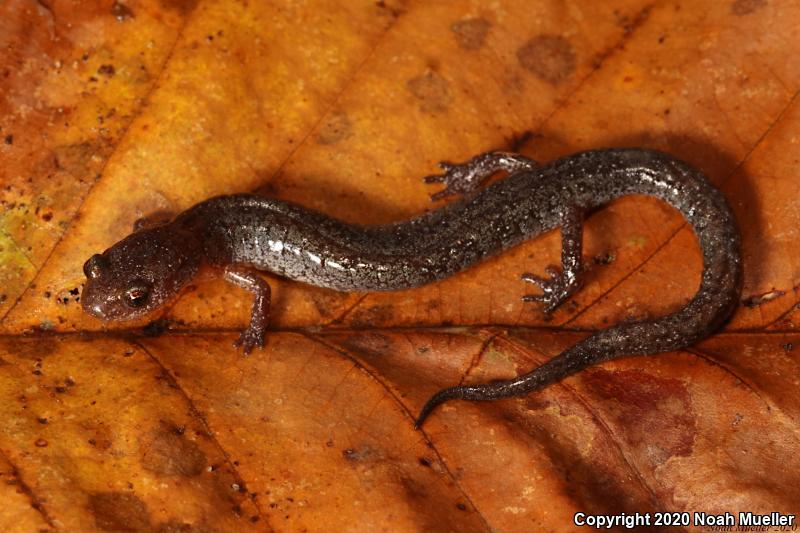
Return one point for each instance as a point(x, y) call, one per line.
point(112, 111)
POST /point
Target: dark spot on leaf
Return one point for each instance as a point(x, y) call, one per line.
point(548, 57)
point(107, 70)
point(393, 11)
point(363, 454)
point(461, 506)
point(374, 315)
point(518, 140)
point(170, 452)
point(121, 12)
point(74, 158)
point(629, 24)
point(119, 511)
point(745, 7)
point(350, 454)
point(605, 258)
point(156, 328)
point(432, 91)
point(103, 436)
point(183, 6)
point(335, 128)
point(424, 461)
point(647, 405)
point(370, 344)
point(471, 33)
point(327, 301)
point(9, 139)
point(34, 348)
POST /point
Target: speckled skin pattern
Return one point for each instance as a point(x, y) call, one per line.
point(237, 233)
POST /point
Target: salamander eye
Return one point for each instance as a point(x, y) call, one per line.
point(138, 294)
point(95, 266)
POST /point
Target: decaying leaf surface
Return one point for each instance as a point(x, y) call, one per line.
point(116, 110)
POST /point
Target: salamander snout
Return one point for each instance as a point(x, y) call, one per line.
point(116, 290)
point(138, 274)
point(111, 295)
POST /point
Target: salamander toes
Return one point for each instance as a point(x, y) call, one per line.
point(536, 280)
point(458, 178)
point(555, 288)
point(434, 178)
point(553, 280)
point(550, 299)
point(249, 339)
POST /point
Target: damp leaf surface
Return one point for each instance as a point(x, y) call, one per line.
point(116, 111)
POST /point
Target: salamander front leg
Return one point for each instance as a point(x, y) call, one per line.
point(464, 178)
point(561, 284)
point(259, 316)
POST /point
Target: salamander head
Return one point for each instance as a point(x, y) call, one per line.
point(138, 274)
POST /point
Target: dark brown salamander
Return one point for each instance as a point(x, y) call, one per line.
point(239, 233)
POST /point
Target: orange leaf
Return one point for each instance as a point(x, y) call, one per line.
point(113, 111)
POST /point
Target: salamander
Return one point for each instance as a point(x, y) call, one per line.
point(237, 235)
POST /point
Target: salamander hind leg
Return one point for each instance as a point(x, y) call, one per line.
point(561, 284)
point(259, 316)
point(466, 177)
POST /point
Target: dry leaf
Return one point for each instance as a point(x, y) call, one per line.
point(110, 111)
